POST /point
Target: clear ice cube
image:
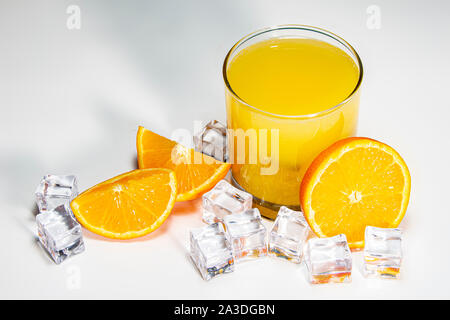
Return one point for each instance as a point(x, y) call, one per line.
point(212, 140)
point(222, 200)
point(382, 252)
point(246, 234)
point(289, 234)
point(59, 233)
point(54, 191)
point(328, 260)
point(211, 251)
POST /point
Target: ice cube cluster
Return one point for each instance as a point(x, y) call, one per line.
point(329, 260)
point(58, 231)
point(244, 235)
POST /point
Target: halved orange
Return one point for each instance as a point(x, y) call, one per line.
point(196, 173)
point(356, 182)
point(128, 206)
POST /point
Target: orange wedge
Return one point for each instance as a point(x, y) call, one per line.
point(128, 206)
point(196, 173)
point(356, 182)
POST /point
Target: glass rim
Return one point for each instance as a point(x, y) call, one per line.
point(299, 27)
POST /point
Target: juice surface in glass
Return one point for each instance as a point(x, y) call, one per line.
point(293, 76)
point(304, 88)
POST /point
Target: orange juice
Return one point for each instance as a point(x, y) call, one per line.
point(305, 92)
point(293, 76)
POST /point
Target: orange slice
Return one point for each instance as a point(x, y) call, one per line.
point(356, 182)
point(127, 206)
point(196, 173)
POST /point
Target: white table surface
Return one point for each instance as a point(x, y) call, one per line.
point(71, 101)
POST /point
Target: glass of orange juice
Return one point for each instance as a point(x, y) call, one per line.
point(291, 91)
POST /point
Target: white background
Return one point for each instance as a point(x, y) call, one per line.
point(71, 101)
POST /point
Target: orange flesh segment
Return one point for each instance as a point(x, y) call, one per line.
point(127, 206)
point(353, 184)
point(196, 173)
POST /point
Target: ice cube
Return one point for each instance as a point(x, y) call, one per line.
point(328, 259)
point(59, 233)
point(211, 251)
point(223, 200)
point(382, 252)
point(289, 235)
point(246, 234)
point(54, 191)
point(212, 140)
